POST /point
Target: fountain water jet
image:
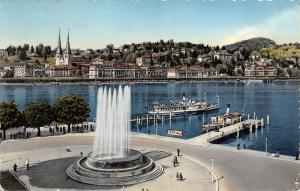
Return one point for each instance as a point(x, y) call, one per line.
point(112, 139)
point(112, 162)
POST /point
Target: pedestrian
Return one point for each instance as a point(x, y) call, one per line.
point(15, 167)
point(178, 152)
point(238, 146)
point(175, 159)
point(177, 175)
point(297, 155)
point(277, 153)
point(180, 177)
point(27, 164)
point(174, 163)
point(244, 145)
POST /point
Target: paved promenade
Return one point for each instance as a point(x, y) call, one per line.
point(237, 169)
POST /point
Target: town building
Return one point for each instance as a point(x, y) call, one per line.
point(3, 53)
point(61, 71)
point(188, 72)
point(108, 71)
point(253, 70)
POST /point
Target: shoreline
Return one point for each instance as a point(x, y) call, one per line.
point(73, 80)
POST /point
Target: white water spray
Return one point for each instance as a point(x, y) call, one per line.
point(112, 139)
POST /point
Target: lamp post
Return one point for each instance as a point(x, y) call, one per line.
point(212, 169)
point(266, 146)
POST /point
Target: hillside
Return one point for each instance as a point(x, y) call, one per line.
point(50, 60)
point(251, 44)
point(280, 52)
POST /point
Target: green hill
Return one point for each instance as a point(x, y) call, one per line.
point(251, 44)
point(283, 51)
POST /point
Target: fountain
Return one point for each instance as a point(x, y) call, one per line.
point(112, 162)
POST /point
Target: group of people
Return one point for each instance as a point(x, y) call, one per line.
point(238, 147)
point(175, 162)
point(26, 164)
point(82, 129)
point(20, 135)
point(179, 176)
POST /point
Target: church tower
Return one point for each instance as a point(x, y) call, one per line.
point(59, 59)
point(67, 53)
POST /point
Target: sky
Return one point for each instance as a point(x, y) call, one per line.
point(96, 23)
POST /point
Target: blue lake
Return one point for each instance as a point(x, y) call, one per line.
point(280, 100)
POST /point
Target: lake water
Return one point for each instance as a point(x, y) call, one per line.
point(280, 100)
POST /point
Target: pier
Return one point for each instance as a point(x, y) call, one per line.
point(142, 120)
point(231, 130)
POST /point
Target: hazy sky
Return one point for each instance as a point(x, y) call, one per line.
point(96, 23)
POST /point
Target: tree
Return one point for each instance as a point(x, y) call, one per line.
point(110, 48)
point(9, 115)
point(31, 50)
point(71, 110)
point(38, 115)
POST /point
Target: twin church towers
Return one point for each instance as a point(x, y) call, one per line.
point(63, 58)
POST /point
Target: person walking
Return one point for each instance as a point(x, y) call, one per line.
point(180, 177)
point(244, 145)
point(178, 152)
point(175, 159)
point(15, 167)
point(177, 175)
point(27, 164)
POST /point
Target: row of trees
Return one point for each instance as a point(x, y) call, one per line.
point(40, 50)
point(65, 110)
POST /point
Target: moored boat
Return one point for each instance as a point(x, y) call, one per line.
point(185, 106)
point(220, 121)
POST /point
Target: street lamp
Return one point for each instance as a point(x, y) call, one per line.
point(212, 169)
point(266, 146)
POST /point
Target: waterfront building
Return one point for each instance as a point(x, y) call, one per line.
point(271, 71)
point(250, 70)
point(61, 71)
point(109, 71)
point(253, 70)
point(188, 72)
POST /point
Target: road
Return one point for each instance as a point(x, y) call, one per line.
point(241, 170)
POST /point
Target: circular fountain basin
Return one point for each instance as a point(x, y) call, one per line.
point(127, 170)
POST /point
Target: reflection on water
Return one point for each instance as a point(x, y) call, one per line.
point(280, 100)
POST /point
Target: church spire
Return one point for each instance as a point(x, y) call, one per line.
point(59, 50)
point(68, 48)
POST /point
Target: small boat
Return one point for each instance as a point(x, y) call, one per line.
point(176, 133)
point(185, 106)
point(220, 121)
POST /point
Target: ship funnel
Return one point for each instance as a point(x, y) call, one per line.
point(228, 108)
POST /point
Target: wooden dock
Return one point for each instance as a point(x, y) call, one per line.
point(209, 137)
point(150, 118)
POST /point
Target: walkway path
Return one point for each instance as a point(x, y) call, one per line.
point(214, 135)
point(241, 170)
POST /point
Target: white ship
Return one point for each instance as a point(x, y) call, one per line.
point(185, 106)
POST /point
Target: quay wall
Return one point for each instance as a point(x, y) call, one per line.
point(126, 80)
